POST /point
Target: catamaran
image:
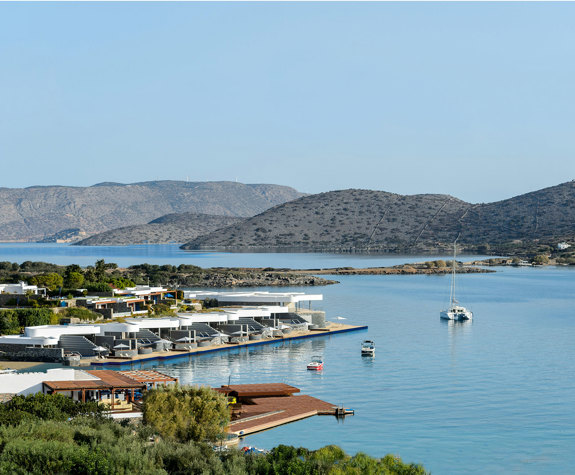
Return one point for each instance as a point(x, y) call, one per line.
point(455, 311)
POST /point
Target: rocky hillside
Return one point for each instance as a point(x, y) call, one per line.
point(364, 220)
point(175, 227)
point(36, 212)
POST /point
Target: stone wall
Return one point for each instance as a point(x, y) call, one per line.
point(23, 353)
point(23, 300)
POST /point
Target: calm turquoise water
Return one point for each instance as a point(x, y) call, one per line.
point(495, 395)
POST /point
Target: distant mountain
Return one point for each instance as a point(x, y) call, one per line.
point(175, 227)
point(40, 211)
point(361, 220)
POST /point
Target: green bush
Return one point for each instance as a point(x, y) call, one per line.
point(54, 407)
point(81, 313)
point(12, 321)
point(186, 413)
point(98, 287)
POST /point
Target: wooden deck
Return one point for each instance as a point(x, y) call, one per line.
point(270, 412)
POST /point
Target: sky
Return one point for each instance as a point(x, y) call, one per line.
point(475, 100)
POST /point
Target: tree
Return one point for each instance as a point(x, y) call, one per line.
point(74, 280)
point(51, 281)
point(100, 270)
point(540, 260)
point(98, 287)
point(186, 413)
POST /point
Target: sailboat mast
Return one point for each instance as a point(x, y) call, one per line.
point(453, 273)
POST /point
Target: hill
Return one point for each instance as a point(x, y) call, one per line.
point(175, 227)
point(39, 211)
point(366, 220)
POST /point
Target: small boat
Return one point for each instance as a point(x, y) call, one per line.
point(316, 364)
point(455, 311)
point(368, 348)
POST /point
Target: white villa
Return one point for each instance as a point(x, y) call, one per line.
point(21, 288)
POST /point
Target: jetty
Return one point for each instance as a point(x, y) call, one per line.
point(258, 407)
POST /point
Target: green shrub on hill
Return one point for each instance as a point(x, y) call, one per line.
point(14, 320)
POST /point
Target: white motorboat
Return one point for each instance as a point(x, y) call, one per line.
point(316, 364)
point(368, 348)
point(455, 311)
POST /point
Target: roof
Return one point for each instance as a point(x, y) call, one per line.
point(148, 376)
point(115, 378)
point(109, 379)
point(259, 390)
point(93, 384)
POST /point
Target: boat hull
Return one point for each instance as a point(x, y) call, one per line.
point(459, 314)
point(315, 367)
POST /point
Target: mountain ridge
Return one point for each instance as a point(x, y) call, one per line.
point(171, 228)
point(369, 220)
point(33, 213)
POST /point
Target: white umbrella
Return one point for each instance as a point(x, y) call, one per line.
point(164, 342)
point(121, 346)
point(99, 349)
point(186, 339)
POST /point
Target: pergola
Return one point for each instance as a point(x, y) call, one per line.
point(109, 381)
point(258, 390)
point(150, 378)
point(114, 383)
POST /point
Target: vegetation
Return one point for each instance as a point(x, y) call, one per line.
point(92, 446)
point(49, 434)
point(12, 321)
point(51, 281)
point(104, 277)
point(41, 407)
point(186, 413)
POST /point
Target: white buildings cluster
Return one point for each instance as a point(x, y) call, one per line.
point(252, 315)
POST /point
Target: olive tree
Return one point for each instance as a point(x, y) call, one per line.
point(186, 413)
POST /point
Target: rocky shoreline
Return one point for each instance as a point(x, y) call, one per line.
point(259, 278)
point(404, 269)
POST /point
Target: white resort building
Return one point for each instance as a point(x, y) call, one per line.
point(240, 316)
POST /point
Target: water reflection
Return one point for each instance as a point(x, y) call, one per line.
point(457, 327)
point(244, 364)
point(456, 330)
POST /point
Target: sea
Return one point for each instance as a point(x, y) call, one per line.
point(490, 396)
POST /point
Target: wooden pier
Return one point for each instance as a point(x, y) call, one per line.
point(264, 406)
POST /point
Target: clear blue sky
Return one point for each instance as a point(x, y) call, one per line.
point(471, 99)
